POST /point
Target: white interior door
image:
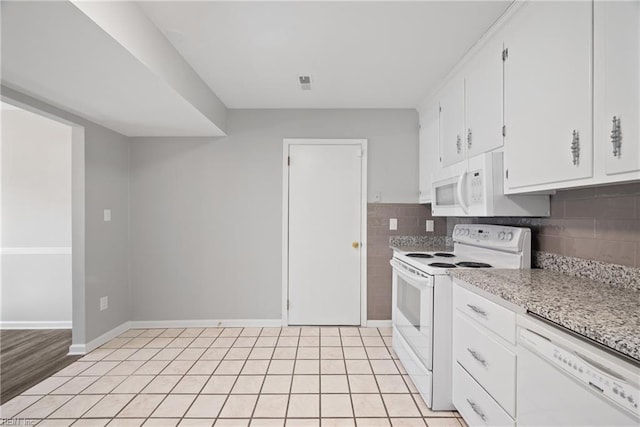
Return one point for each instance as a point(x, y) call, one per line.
point(325, 216)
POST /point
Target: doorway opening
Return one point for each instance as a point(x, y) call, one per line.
point(38, 316)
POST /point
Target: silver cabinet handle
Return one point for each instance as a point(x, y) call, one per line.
point(477, 356)
point(469, 138)
point(477, 310)
point(575, 147)
point(458, 144)
point(616, 137)
point(477, 410)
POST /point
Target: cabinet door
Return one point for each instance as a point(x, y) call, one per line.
point(616, 84)
point(548, 94)
point(483, 100)
point(452, 145)
point(429, 157)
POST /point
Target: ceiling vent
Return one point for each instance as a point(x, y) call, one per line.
point(305, 82)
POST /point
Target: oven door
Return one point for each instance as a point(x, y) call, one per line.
point(413, 309)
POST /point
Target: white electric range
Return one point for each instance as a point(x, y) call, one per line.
point(422, 301)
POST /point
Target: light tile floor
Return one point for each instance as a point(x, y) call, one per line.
point(266, 377)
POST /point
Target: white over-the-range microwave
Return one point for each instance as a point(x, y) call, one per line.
point(475, 187)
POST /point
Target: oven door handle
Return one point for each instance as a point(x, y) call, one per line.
point(461, 200)
point(416, 282)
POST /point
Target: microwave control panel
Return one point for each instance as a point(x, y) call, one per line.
point(477, 193)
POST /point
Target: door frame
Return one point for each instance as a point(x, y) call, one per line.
point(286, 143)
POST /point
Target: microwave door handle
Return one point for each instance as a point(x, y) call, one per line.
point(461, 200)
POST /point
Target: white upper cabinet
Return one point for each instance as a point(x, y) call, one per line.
point(563, 77)
point(548, 92)
point(452, 132)
point(471, 107)
point(617, 85)
point(429, 157)
point(483, 100)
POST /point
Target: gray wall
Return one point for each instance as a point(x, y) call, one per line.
point(106, 243)
point(206, 215)
point(36, 219)
point(99, 181)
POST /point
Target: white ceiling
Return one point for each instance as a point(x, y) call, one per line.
point(54, 52)
point(359, 54)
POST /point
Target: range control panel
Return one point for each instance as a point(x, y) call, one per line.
point(494, 236)
point(590, 373)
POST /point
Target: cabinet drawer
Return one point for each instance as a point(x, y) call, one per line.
point(474, 404)
point(500, 320)
point(486, 360)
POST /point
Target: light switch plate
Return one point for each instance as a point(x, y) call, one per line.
point(429, 226)
point(104, 303)
point(393, 223)
point(107, 215)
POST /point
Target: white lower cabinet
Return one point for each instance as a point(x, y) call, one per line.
point(475, 405)
point(484, 352)
point(486, 313)
point(486, 360)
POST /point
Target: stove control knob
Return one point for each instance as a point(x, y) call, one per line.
point(501, 235)
point(509, 236)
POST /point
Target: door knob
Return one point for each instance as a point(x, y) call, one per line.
point(355, 245)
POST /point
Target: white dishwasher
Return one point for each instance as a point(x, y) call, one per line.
point(565, 381)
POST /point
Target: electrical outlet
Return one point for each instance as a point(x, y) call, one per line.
point(429, 225)
point(107, 215)
point(104, 303)
point(377, 196)
point(393, 223)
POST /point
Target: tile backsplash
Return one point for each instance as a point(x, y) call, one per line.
point(411, 222)
point(597, 223)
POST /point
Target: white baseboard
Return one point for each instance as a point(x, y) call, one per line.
point(205, 323)
point(379, 323)
point(37, 251)
point(77, 349)
point(36, 325)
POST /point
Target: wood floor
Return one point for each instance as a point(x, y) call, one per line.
point(29, 356)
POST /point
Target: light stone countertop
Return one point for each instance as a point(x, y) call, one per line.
point(605, 313)
point(421, 248)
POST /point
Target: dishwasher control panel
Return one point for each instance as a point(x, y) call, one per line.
point(589, 372)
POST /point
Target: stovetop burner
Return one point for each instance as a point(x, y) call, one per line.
point(418, 255)
point(442, 265)
point(471, 264)
point(444, 254)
